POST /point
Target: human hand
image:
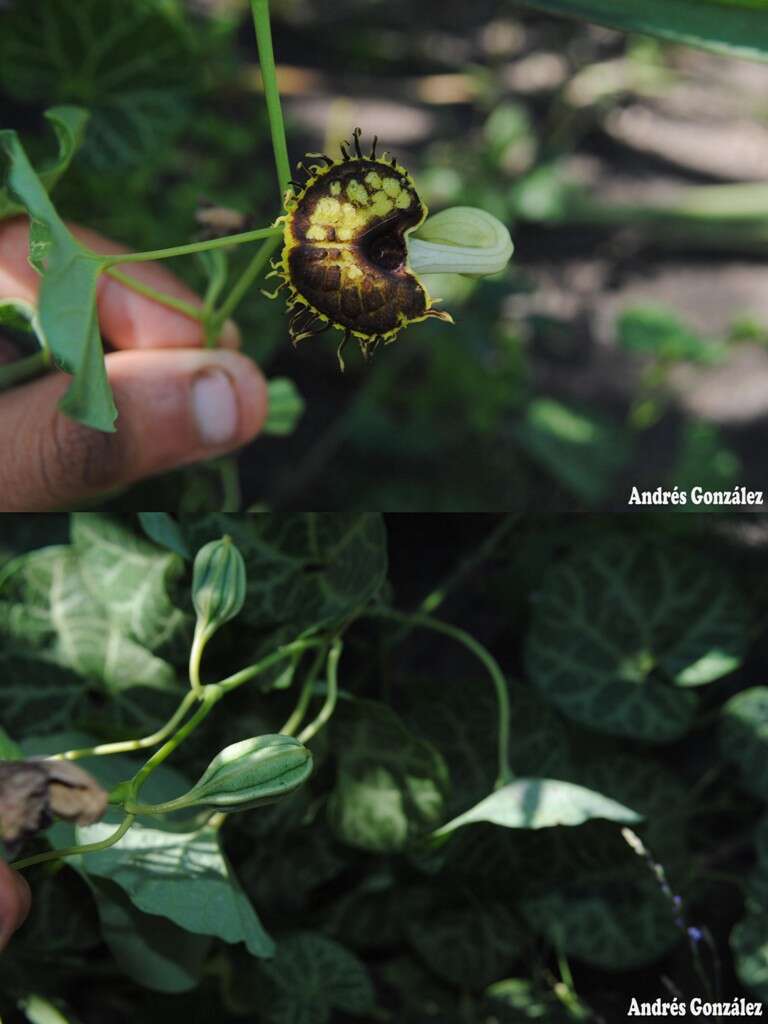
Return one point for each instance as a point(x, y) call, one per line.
point(177, 403)
point(14, 902)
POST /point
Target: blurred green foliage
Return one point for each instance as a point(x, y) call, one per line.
point(449, 418)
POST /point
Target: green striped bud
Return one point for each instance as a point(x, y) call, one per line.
point(248, 774)
point(218, 584)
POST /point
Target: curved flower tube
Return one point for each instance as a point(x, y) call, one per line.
point(460, 240)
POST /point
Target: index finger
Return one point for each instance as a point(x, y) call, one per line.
point(127, 319)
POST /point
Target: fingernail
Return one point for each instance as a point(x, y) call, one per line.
point(214, 407)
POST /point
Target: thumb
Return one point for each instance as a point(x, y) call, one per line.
point(174, 407)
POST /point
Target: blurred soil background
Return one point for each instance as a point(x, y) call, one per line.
point(626, 344)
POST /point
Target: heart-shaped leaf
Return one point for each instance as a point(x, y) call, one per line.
point(737, 27)
point(623, 627)
point(744, 737)
point(69, 123)
point(67, 299)
point(541, 803)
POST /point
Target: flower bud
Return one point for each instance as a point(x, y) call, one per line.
point(460, 240)
point(218, 584)
point(248, 774)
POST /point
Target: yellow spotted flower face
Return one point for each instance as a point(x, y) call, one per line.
point(344, 255)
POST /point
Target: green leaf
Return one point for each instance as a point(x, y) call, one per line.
point(757, 891)
point(57, 615)
point(129, 578)
point(59, 935)
point(152, 950)
point(165, 531)
point(280, 873)
point(314, 975)
point(183, 876)
point(17, 314)
point(391, 785)
point(458, 715)
point(60, 636)
point(39, 696)
point(649, 788)
point(749, 943)
point(744, 737)
point(737, 27)
point(9, 749)
point(69, 123)
point(322, 566)
point(592, 895)
point(306, 569)
point(67, 298)
point(704, 459)
point(129, 64)
point(286, 407)
point(468, 946)
point(39, 1010)
point(622, 624)
point(522, 1003)
point(541, 803)
point(62, 920)
point(418, 992)
point(371, 915)
point(659, 332)
point(501, 863)
point(617, 925)
point(583, 451)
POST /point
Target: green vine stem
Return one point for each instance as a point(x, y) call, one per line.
point(199, 640)
point(246, 280)
point(231, 495)
point(331, 694)
point(565, 990)
point(190, 698)
point(216, 281)
point(189, 248)
point(260, 12)
point(211, 695)
point(298, 713)
point(233, 681)
point(71, 851)
point(122, 746)
point(261, 24)
point(484, 655)
point(459, 574)
point(167, 807)
point(476, 558)
point(194, 312)
point(207, 697)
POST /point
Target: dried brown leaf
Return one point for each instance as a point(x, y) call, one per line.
point(32, 791)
